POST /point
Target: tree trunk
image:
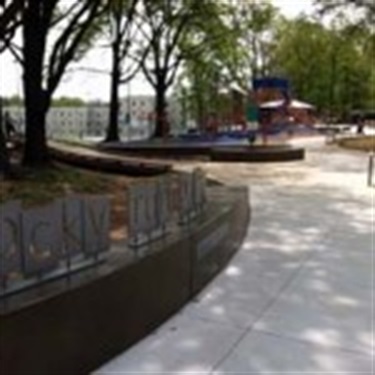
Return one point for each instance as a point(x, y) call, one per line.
point(184, 108)
point(113, 125)
point(201, 115)
point(161, 122)
point(36, 151)
point(254, 58)
point(36, 101)
point(198, 93)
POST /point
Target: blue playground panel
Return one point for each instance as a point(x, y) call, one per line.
point(220, 137)
point(226, 137)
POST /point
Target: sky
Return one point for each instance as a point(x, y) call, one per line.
point(95, 86)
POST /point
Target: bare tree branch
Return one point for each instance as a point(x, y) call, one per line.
point(71, 49)
point(173, 69)
point(10, 21)
point(60, 45)
point(64, 15)
point(16, 52)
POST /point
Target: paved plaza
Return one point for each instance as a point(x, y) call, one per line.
point(298, 296)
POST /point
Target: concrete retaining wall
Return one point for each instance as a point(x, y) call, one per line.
point(103, 313)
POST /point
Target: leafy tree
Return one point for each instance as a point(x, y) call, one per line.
point(255, 21)
point(65, 101)
point(62, 101)
point(213, 61)
point(365, 9)
point(203, 82)
point(14, 100)
point(44, 59)
point(302, 55)
point(208, 82)
point(239, 38)
point(165, 26)
point(121, 16)
point(358, 28)
point(326, 66)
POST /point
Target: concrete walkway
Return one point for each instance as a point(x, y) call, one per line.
point(298, 296)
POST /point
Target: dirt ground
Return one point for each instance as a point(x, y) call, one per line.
point(38, 188)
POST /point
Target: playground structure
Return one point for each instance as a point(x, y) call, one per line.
point(276, 110)
point(229, 114)
point(265, 110)
point(225, 136)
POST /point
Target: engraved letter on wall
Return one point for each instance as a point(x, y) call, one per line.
point(42, 238)
point(10, 238)
point(137, 210)
point(96, 220)
point(162, 202)
point(73, 226)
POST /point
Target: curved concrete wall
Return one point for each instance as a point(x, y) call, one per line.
point(101, 314)
point(222, 153)
point(257, 154)
point(134, 167)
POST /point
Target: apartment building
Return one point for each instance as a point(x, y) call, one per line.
point(90, 121)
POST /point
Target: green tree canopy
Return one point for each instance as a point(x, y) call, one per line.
point(330, 67)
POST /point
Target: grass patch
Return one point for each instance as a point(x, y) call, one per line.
point(365, 143)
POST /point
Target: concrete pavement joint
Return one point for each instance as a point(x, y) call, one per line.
point(328, 202)
point(309, 343)
point(265, 309)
